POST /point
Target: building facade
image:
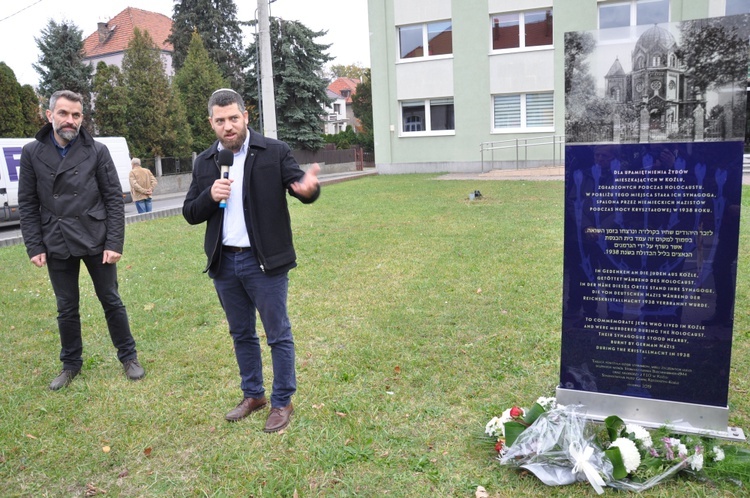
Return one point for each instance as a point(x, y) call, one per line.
point(111, 39)
point(339, 115)
point(471, 85)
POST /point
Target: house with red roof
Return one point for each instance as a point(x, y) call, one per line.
point(109, 42)
point(339, 114)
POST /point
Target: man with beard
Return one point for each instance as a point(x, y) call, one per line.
point(248, 243)
point(71, 209)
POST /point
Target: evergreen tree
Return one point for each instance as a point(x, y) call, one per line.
point(61, 65)
point(198, 77)
point(148, 96)
point(13, 120)
point(362, 107)
point(32, 111)
point(298, 80)
point(111, 102)
point(178, 139)
point(221, 32)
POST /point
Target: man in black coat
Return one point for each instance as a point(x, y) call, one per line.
point(71, 209)
point(248, 244)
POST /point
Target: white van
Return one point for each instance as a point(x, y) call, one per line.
point(10, 162)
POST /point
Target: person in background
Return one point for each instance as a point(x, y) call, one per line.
point(249, 246)
point(71, 210)
point(142, 183)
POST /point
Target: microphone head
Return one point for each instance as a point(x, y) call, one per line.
point(226, 157)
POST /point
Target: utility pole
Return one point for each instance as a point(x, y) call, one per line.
point(268, 100)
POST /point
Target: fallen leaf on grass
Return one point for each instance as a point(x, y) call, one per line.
point(318, 407)
point(92, 490)
point(106, 449)
point(341, 414)
point(479, 290)
point(148, 307)
point(397, 369)
point(122, 474)
point(481, 493)
point(31, 436)
point(147, 452)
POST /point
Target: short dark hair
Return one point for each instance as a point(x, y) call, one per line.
point(67, 95)
point(224, 97)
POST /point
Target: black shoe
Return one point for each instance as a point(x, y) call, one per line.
point(133, 369)
point(62, 380)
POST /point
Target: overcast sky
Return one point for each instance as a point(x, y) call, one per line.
point(23, 20)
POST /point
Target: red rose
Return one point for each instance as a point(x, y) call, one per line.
point(516, 412)
point(499, 446)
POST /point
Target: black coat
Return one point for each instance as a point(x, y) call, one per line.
point(270, 169)
point(71, 206)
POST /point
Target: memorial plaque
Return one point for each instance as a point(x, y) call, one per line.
point(655, 128)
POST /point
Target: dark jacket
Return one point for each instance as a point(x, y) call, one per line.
point(71, 206)
point(270, 169)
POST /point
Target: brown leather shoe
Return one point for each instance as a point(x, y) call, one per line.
point(278, 418)
point(245, 408)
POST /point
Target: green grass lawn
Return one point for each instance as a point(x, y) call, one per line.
point(418, 315)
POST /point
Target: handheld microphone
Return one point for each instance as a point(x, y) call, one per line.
point(226, 159)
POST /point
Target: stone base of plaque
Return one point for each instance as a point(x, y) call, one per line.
point(684, 418)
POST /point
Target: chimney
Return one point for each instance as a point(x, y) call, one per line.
point(103, 32)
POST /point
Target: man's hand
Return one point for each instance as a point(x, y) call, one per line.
point(221, 189)
point(110, 257)
point(308, 184)
point(39, 260)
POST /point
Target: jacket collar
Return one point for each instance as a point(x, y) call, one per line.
point(43, 135)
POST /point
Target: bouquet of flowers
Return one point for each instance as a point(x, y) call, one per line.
point(560, 446)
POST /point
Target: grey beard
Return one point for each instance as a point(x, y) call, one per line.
point(68, 135)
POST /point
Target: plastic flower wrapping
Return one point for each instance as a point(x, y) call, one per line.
point(560, 446)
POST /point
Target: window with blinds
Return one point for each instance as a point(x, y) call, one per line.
point(521, 111)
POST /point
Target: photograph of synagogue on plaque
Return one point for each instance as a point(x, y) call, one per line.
point(655, 124)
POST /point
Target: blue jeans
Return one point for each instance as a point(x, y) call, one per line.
point(243, 288)
point(143, 206)
point(63, 274)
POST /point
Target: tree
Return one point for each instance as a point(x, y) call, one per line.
point(148, 96)
point(198, 77)
point(12, 123)
point(31, 108)
point(298, 81)
point(362, 106)
point(354, 71)
point(714, 51)
point(216, 22)
point(178, 139)
point(61, 64)
point(111, 104)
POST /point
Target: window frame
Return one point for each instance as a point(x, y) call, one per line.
point(427, 123)
point(521, 17)
point(633, 13)
point(524, 114)
point(425, 29)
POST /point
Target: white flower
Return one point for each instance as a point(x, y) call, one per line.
point(494, 427)
point(682, 450)
point(640, 433)
point(630, 456)
point(718, 454)
point(696, 462)
point(547, 403)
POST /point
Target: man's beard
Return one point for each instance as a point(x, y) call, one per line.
point(67, 133)
point(236, 143)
